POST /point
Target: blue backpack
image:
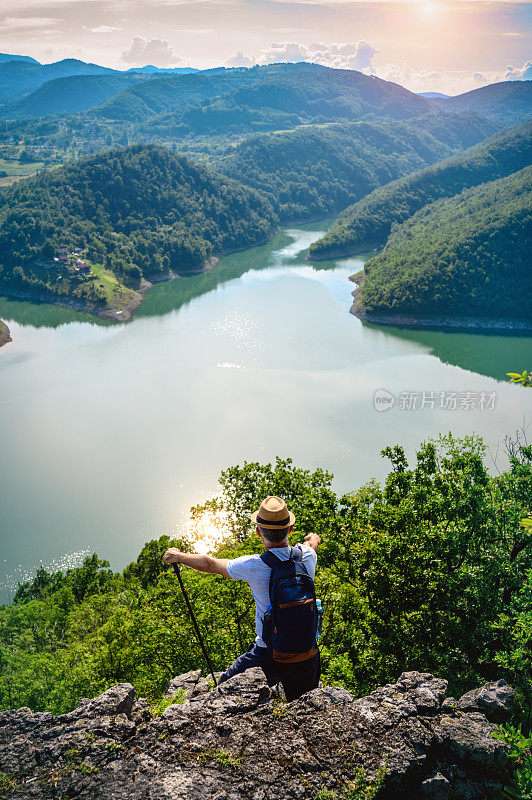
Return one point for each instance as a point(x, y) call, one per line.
point(289, 629)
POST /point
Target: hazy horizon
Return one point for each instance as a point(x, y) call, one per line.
point(425, 45)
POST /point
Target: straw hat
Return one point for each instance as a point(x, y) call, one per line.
point(273, 514)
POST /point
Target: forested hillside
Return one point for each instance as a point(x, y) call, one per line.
point(73, 93)
point(316, 170)
point(18, 78)
point(312, 92)
point(367, 224)
point(508, 101)
point(138, 211)
point(426, 572)
point(465, 256)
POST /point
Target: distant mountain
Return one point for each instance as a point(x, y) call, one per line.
point(508, 101)
point(367, 224)
point(432, 95)
point(19, 78)
point(210, 101)
point(463, 259)
point(314, 171)
point(168, 93)
point(139, 211)
point(74, 93)
point(4, 57)
point(149, 69)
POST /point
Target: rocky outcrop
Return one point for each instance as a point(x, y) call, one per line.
point(239, 741)
point(5, 336)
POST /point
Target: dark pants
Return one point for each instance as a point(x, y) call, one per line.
point(296, 678)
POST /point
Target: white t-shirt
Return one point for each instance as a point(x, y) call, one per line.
point(256, 573)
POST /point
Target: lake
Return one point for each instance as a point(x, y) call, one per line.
point(110, 433)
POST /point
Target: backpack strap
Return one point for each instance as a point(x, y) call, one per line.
point(270, 559)
point(297, 553)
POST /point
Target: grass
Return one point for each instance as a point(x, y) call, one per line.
point(160, 707)
point(15, 170)
point(224, 758)
point(113, 746)
point(8, 784)
point(101, 290)
point(87, 769)
point(114, 292)
point(279, 708)
point(358, 788)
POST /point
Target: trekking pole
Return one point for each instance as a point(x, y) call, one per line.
point(177, 570)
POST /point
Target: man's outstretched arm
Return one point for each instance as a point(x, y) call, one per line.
point(202, 563)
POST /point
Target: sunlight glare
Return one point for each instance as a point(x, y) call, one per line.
point(429, 9)
point(207, 531)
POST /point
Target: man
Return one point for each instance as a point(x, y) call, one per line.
point(273, 524)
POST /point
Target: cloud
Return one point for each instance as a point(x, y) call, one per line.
point(14, 24)
point(240, 59)
point(523, 73)
point(104, 29)
point(149, 51)
point(348, 55)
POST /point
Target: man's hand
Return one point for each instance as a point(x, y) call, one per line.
point(171, 556)
point(313, 540)
point(196, 561)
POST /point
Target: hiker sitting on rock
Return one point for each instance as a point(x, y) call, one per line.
point(282, 583)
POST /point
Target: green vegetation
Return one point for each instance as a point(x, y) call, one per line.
point(12, 171)
point(8, 784)
point(466, 256)
point(521, 755)
point(507, 101)
point(358, 788)
point(368, 223)
point(431, 571)
point(136, 212)
point(524, 378)
point(315, 170)
point(159, 708)
point(67, 94)
point(19, 78)
point(221, 757)
point(236, 99)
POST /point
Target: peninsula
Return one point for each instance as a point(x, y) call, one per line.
point(95, 234)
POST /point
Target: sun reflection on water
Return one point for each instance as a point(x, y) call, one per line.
point(208, 530)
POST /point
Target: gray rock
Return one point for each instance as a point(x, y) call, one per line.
point(436, 787)
point(118, 699)
point(449, 705)
point(496, 700)
point(233, 743)
point(183, 684)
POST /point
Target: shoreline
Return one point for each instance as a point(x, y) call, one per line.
point(113, 314)
point(434, 322)
point(329, 255)
point(5, 335)
point(122, 314)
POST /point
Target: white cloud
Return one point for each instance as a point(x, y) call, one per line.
point(347, 55)
point(26, 23)
point(523, 73)
point(240, 59)
point(104, 29)
point(149, 51)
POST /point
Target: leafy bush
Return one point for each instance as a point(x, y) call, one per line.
point(430, 571)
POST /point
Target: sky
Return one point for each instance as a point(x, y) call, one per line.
point(448, 46)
